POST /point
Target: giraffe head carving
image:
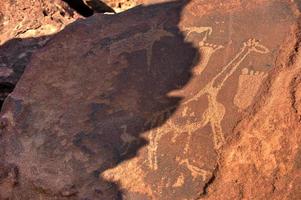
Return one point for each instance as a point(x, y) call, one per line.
point(254, 45)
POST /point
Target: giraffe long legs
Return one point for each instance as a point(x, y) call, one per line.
point(218, 136)
point(215, 111)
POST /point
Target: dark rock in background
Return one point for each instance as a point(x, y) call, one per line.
point(178, 100)
point(25, 27)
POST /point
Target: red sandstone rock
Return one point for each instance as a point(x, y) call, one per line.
point(35, 22)
point(122, 5)
point(28, 18)
point(25, 27)
point(166, 101)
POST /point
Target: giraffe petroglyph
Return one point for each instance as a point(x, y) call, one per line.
point(207, 50)
point(215, 111)
point(155, 134)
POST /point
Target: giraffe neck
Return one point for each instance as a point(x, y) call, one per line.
point(231, 67)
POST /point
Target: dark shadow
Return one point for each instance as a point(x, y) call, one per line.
point(86, 11)
point(5, 89)
point(15, 54)
point(80, 7)
point(138, 103)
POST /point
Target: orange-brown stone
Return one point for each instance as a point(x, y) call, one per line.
point(171, 100)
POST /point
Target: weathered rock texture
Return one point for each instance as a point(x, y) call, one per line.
point(122, 5)
point(37, 21)
point(28, 18)
point(188, 100)
point(26, 26)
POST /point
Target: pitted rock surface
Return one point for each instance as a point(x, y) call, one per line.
point(25, 27)
point(149, 103)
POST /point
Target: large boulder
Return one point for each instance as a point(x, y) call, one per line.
point(25, 27)
point(37, 21)
point(175, 100)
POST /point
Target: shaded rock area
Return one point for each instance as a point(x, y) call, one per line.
point(37, 21)
point(25, 27)
point(171, 100)
point(28, 18)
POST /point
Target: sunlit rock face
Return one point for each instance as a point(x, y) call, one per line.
point(123, 5)
point(170, 100)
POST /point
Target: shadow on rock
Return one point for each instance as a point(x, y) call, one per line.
point(87, 100)
point(15, 54)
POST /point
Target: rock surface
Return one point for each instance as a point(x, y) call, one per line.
point(28, 18)
point(25, 27)
point(122, 5)
point(198, 99)
point(37, 21)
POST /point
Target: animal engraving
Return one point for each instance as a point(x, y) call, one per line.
point(139, 41)
point(194, 170)
point(127, 139)
point(205, 49)
point(207, 30)
point(215, 111)
point(155, 135)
